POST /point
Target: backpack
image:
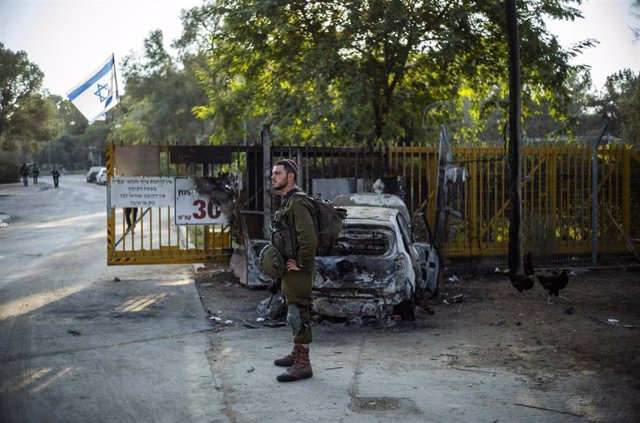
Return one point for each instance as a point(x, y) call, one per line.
point(328, 221)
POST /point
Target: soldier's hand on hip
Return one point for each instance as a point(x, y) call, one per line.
point(293, 265)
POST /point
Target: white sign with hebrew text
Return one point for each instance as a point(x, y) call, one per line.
point(142, 191)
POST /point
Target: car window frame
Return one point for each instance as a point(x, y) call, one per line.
point(405, 231)
point(366, 227)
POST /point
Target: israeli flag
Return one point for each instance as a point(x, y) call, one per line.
point(98, 93)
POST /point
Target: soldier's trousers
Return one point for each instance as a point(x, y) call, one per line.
point(299, 319)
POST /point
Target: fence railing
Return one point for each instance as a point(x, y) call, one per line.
point(557, 193)
point(557, 198)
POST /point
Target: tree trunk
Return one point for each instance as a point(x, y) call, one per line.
point(515, 143)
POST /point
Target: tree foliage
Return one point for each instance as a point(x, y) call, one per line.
point(620, 103)
point(578, 121)
point(26, 115)
point(159, 99)
point(76, 136)
point(344, 71)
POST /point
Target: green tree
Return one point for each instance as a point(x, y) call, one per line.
point(159, 99)
point(620, 103)
point(74, 122)
point(367, 71)
point(69, 148)
point(543, 123)
point(26, 115)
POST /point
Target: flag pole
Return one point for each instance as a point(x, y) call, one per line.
point(115, 76)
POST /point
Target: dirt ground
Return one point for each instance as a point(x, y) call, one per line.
point(592, 329)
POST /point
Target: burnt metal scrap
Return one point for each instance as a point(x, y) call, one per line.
point(273, 307)
point(373, 200)
point(245, 262)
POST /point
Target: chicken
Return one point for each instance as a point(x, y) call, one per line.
point(521, 282)
point(551, 280)
point(526, 281)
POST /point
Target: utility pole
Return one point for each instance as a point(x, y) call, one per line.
point(515, 143)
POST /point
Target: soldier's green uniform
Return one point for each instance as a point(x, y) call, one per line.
point(297, 215)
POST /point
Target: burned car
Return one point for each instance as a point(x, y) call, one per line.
point(377, 268)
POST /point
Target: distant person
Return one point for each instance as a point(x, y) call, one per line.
point(36, 172)
point(55, 173)
point(128, 211)
point(24, 172)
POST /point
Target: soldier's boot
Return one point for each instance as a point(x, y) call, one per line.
point(287, 360)
point(301, 368)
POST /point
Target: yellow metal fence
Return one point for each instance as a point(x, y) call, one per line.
point(557, 193)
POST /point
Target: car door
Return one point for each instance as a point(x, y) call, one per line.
point(425, 261)
point(407, 240)
point(429, 264)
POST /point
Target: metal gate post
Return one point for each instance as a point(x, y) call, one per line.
point(207, 170)
point(594, 205)
point(266, 191)
point(594, 197)
point(111, 217)
point(298, 156)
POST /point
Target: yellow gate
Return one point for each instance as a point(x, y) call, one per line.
point(153, 237)
point(556, 191)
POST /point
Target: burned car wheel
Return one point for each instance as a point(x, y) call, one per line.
point(423, 294)
point(406, 309)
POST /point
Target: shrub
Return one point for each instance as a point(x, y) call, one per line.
point(9, 172)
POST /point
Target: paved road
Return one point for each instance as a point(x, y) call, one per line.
point(77, 345)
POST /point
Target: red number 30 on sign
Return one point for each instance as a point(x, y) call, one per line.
point(210, 209)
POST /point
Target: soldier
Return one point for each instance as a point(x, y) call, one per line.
point(55, 174)
point(24, 173)
point(36, 172)
point(295, 217)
